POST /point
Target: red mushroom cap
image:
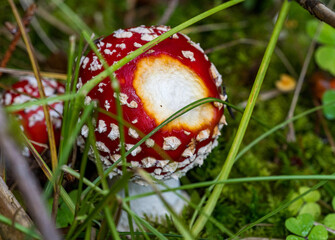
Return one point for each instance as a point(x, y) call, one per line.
point(32, 119)
point(156, 84)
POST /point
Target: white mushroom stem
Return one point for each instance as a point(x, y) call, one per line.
point(151, 206)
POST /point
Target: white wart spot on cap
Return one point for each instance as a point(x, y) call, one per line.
point(134, 121)
point(187, 133)
point(107, 105)
point(122, 34)
point(114, 133)
point(132, 132)
point(162, 163)
point(203, 135)
point(102, 147)
point(115, 157)
point(135, 164)
point(171, 143)
point(88, 100)
point(37, 117)
point(148, 37)
point(102, 127)
point(123, 98)
point(158, 171)
point(149, 142)
point(216, 75)
point(148, 162)
point(85, 61)
point(188, 152)
point(189, 55)
point(135, 151)
point(138, 45)
point(121, 45)
point(95, 64)
point(218, 105)
point(171, 167)
point(108, 45)
point(132, 104)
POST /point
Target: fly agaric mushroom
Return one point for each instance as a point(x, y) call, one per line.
point(32, 118)
point(153, 86)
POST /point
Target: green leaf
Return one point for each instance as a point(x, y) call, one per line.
point(293, 237)
point(333, 203)
point(329, 112)
point(310, 197)
point(318, 233)
point(329, 221)
point(325, 58)
point(311, 208)
point(327, 34)
point(295, 206)
point(64, 216)
point(300, 225)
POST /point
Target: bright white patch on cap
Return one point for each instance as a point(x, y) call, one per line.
point(197, 46)
point(175, 36)
point(134, 121)
point(21, 99)
point(188, 54)
point(114, 133)
point(205, 149)
point(115, 157)
point(216, 132)
point(203, 135)
point(188, 152)
point(149, 142)
point(141, 30)
point(138, 45)
point(79, 84)
point(171, 167)
point(102, 147)
point(216, 75)
point(95, 64)
point(165, 85)
point(108, 45)
point(121, 45)
point(102, 127)
point(135, 151)
point(132, 104)
point(148, 162)
point(171, 143)
point(148, 37)
point(37, 117)
point(223, 97)
point(133, 133)
point(187, 133)
point(122, 34)
point(183, 163)
point(162, 163)
point(88, 100)
point(158, 171)
point(85, 61)
point(218, 105)
point(84, 131)
point(123, 98)
point(107, 105)
point(135, 164)
point(223, 120)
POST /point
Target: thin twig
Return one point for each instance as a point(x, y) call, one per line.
point(168, 12)
point(328, 229)
point(27, 183)
point(319, 10)
point(26, 20)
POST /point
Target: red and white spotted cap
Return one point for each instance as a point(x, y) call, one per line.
point(156, 84)
point(32, 118)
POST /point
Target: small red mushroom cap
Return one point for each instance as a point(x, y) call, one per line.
point(156, 84)
point(32, 118)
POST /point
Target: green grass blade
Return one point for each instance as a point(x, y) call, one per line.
point(210, 205)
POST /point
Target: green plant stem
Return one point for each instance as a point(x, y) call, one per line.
point(209, 207)
point(29, 232)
